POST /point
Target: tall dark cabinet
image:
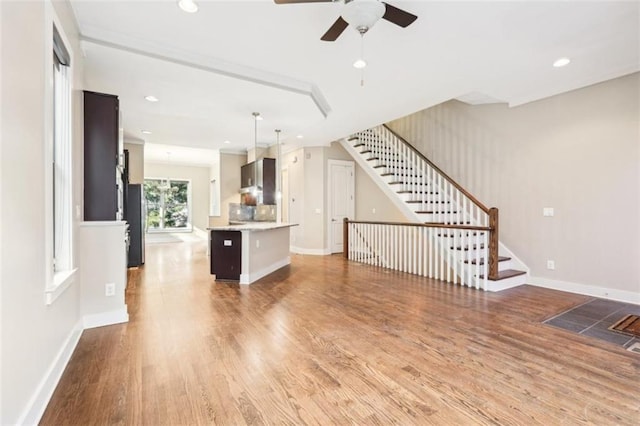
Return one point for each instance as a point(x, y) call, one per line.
point(103, 187)
point(135, 217)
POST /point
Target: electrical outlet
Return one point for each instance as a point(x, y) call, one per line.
point(110, 289)
point(373, 210)
point(551, 264)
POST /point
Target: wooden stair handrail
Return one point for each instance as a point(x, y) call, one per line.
point(422, 225)
point(437, 169)
point(492, 229)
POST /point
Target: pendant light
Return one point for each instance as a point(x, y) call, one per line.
point(279, 179)
point(256, 117)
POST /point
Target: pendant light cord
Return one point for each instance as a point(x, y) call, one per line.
point(362, 57)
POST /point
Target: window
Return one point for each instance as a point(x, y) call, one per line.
point(61, 157)
point(60, 182)
point(168, 204)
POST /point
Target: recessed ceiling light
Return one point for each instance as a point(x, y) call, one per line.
point(151, 98)
point(561, 62)
point(299, 136)
point(360, 63)
point(188, 6)
point(146, 132)
point(227, 141)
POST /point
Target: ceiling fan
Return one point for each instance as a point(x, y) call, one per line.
point(361, 14)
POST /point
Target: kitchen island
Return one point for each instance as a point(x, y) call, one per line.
point(249, 251)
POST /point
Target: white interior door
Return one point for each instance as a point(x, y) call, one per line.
point(341, 200)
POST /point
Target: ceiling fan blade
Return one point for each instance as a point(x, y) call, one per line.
point(302, 1)
point(398, 16)
point(336, 29)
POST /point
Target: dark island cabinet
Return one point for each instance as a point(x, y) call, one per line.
point(226, 255)
point(102, 180)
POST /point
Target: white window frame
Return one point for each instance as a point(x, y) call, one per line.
point(59, 228)
point(189, 227)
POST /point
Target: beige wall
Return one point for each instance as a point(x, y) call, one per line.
point(577, 152)
point(230, 165)
point(199, 177)
point(308, 185)
point(136, 162)
point(36, 339)
point(368, 195)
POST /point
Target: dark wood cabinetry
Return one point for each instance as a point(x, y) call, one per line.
point(102, 200)
point(226, 254)
point(261, 173)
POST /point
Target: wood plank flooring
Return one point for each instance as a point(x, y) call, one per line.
point(326, 341)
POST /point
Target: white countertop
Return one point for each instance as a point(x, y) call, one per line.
point(253, 226)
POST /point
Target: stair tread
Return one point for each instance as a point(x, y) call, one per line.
point(467, 248)
point(469, 234)
point(507, 273)
point(481, 262)
point(433, 212)
point(427, 202)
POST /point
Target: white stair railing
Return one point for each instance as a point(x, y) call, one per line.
point(422, 249)
point(459, 231)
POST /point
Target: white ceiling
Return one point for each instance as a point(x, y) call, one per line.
point(212, 69)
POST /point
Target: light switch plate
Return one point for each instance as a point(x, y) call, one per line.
point(547, 211)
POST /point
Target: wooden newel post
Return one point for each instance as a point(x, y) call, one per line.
point(493, 243)
point(345, 238)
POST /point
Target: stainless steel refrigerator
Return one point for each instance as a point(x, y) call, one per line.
point(135, 217)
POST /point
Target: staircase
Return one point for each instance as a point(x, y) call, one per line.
point(457, 231)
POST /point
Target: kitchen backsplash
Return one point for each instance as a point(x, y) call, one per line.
point(244, 213)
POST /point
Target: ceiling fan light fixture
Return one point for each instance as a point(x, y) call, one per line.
point(363, 14)
point(359, 64)
point(188, 6)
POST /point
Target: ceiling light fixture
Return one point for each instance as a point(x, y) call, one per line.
point(561, 62)
point(227, 142)
point(151, 98)
point(359, 64)
point(363, 14)
point(146, 132)
point(299, 136)
point(188, 6)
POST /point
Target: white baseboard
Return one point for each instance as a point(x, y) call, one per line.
point(106, 318)
point(315, 252)
point(589, 290)
point(40, 399)
point(249, 278)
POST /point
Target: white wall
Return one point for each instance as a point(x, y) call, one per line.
point(136, 162)
point(36, 339)
point(199, 177)
point(230, 165)
point(577, 152)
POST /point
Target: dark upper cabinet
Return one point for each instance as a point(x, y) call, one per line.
point(102, 200)
point(261, 173)
point(247, 175)
point(268, 181)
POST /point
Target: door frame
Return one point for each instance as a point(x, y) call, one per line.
point(352, 189)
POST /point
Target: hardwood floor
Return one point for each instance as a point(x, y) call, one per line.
point(326, 341)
